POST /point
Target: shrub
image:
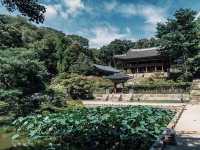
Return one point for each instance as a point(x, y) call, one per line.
point(3, 107)
point(71, 104)
point(187, 76)
point(20, 80)
point(165, 87)
point(76, 86)
point(100, 82)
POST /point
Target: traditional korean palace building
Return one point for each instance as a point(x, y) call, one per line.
point(147, 60)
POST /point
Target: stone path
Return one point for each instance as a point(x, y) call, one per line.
point(188, 126)
point(188, 129)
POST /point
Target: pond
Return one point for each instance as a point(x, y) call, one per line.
point(5, 138)
point(7, 131)
point(117, 128)
point(6, 142)
point(84, 128)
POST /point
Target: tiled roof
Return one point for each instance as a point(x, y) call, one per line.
point(106, 68)
point(118, 76)
point(139, 53)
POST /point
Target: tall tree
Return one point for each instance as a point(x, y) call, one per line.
point(179, 37)
point(116, 47)
point(70, 56)
point(30, 8)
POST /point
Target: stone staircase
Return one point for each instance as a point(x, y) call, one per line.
point(115, 97)
point(195, 91)
point(101, 97)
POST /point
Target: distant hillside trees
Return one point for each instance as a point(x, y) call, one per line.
point(57, 50)
point(10, 36)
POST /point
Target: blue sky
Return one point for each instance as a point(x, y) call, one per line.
point(102, 21)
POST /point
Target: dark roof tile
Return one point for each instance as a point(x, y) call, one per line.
point(118, 76)
point(106, 68)
point(139, 53)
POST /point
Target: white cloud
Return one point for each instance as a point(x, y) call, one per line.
point(73, 6)
point(51, 12)
point(128, 30)
point(109, 6)
point(197, 16)
point(151, 14)
point(3, 10)
point(127, 10)
point(66, 9)
point(103, 35)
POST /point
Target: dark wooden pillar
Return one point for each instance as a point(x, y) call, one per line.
point(115, 88)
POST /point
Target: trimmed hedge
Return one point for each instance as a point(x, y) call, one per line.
point(162, 88)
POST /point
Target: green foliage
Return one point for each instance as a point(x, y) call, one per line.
point(3, 108)
point(26, 75)
point(83, 65)
point(10, 36)
point(77, 86)
point(70, 56)
point(77, 59)
point(194, 64)
point(10, 96)
point(116, 47)
point(100, 82)
point(47, 52)
point(72, 104)
point(161, 87)
point(83, 42)
point(21, 77)
point(180, 38)
point(186, 76)
point(59, 52)
point(133, 127)
point(146, 43)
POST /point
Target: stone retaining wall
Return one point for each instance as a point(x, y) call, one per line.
point(142, 97)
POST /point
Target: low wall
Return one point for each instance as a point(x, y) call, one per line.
point(147, 74)
point(142, 97)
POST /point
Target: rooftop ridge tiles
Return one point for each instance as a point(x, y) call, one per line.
point(144, 49)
